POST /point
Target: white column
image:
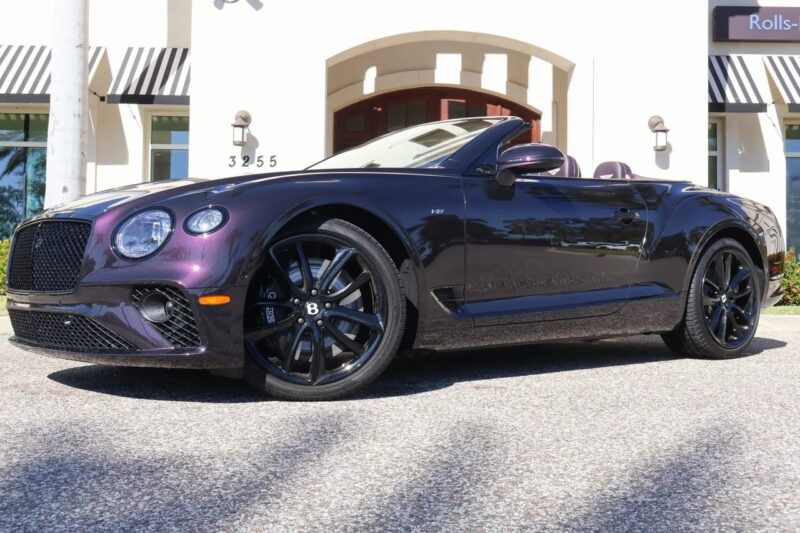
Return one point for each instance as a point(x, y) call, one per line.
point(66, 136)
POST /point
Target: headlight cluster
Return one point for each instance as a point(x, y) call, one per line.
point(145, 233)
point(206, 220)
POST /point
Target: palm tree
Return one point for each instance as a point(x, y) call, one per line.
point(14, 158)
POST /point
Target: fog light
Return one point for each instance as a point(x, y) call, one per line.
point(156, 307)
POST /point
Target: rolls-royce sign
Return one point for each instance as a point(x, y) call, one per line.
point(756, 23)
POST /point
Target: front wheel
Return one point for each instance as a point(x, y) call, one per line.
point(722, 306)
point(325, 315)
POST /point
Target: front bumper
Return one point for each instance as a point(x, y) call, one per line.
point(110, 310)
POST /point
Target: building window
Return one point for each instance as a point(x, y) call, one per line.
point(793, 186)
point(169, 148)
point(715, 155)
point(23, 156)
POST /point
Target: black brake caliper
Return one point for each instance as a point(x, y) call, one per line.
point(271, 292)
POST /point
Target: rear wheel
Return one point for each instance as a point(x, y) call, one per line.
point(722, 306)
point(325, 315)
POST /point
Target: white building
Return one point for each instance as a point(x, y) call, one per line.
point(168, 76)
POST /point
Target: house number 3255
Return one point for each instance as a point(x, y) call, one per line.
point(246, 161)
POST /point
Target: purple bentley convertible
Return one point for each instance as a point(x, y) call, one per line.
point(442, 236)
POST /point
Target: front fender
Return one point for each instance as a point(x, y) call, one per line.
point(256, 257)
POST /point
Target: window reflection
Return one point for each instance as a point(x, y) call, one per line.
point(23, 161)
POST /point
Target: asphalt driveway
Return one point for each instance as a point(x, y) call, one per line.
point(607, 435)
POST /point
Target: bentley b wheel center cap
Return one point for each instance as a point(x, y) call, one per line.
point(312, 308)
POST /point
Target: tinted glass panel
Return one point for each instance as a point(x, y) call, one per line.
point(793, 202)
point(712, 137)
point(712, 171)
point(12, 187)
point(476, 110)
point(396, 117)
point(416, 112)
point(169, 130)
point(793, 138)
point(35, 171)
point(355, 123)
point(169, 164)
point(12, 127)
point(456, 109)
point(37, 128)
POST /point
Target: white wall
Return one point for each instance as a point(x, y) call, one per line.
point(112, 23)
point(627, 68)
point(622, 64)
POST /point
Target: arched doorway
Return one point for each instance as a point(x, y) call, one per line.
point(387, 112)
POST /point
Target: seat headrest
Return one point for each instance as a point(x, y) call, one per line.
point(569, 169)
point(616, 170)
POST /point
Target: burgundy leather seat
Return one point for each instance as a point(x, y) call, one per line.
point(613, 170)
point(570, 168)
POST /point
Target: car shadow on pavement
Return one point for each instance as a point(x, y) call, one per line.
point(417, 373)
point(414, 373)
point(157, 384)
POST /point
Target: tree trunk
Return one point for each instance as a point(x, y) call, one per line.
point(69, 110)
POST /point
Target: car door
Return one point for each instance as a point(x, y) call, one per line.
point(550, 247)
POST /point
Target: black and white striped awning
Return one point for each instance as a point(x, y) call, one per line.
point(152, 76)
point(731, 87)
point(25, 72)
point(785, 72)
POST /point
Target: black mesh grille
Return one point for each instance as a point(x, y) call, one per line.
point(63, 331)
point(181, 328)
point(47, 256)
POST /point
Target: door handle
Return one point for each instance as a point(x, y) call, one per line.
point(625, 215)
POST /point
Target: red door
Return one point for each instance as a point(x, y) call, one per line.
point(375, 116)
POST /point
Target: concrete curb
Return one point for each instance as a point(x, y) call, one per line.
point(5, 325)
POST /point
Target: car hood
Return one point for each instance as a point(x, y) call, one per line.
point(144, 194)
point(151, 194)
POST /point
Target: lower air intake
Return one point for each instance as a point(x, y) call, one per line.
point(178, 324)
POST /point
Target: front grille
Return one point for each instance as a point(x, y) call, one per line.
point(181, 328)
point(63, 331)
point(47, 256)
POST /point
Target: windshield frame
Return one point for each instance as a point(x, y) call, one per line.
point(453, 161)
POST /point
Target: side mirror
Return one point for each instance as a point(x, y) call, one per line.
point(526, 158)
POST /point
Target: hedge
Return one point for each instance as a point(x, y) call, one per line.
point(3, 259)
point(791, 279)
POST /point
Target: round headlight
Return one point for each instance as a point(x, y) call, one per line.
point(206, 220)
point(143, 234)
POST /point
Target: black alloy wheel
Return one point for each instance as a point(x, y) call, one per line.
point(325, 315)
point(723, 304)
point(729, 304)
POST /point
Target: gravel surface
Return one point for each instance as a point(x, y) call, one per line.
point(574, 436)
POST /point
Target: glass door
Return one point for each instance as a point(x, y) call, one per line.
point(715, 166)
point(793, 186)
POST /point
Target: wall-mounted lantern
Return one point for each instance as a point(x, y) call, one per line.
point(240, 127)
point(656, 124)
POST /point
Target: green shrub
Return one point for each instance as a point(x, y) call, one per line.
point(791, 279)
point(4, 245)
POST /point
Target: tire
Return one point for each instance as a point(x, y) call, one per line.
point(330, 345)
point(721, 316)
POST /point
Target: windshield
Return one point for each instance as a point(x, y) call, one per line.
point(423, 146)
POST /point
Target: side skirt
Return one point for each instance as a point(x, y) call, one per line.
point(646, 315)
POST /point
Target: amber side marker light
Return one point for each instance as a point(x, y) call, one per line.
point(214, 299)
